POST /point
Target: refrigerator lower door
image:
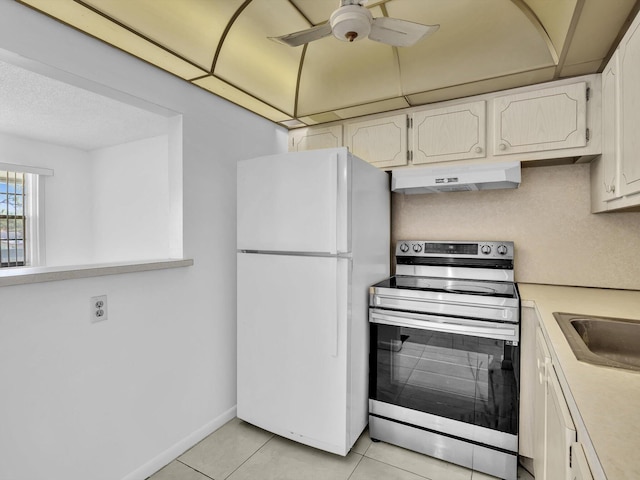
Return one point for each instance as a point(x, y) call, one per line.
point(294, 202)
point(292, 347)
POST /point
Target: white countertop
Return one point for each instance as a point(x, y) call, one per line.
point(607, 399)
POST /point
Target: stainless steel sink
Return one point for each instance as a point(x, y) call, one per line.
point(612, 342)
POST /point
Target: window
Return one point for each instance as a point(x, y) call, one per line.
point(21, 215)
point(12, 219)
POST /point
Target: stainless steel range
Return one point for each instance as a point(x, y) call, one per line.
point(444, 358)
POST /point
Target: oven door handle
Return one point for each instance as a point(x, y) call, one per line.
point(447, 326)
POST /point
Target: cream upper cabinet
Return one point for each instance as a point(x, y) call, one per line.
point(630, 111)
point(449, 133)
point(615, 175)
point(605, 169)
point(313, 138)
point(553, 118)
point(381, 141)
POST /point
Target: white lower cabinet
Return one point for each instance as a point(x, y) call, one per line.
point(561, 432)
point(554, 431)
point(579, 466)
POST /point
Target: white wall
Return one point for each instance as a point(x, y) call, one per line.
point(69, 237)
point(131, 201)
point(120, 398)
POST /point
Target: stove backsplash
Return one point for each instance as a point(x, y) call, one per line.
point(557, 239)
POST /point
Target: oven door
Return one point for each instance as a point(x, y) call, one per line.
point(456, 376)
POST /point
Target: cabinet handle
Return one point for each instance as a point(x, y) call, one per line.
point(611, 188)
point(502, 146)
point(478, 149)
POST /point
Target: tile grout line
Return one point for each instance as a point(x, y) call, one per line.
point(357, 464)
point(408, 471)
point(194, 469)
point(273, 435)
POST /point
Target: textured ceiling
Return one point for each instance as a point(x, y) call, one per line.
point(38, 107)
point(481, 46)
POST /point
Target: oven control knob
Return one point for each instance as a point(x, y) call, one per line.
point(486, 249)
point(404, 248)
point(417, 248)
point(502, 249)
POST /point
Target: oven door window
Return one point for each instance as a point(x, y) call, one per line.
point(465, 378)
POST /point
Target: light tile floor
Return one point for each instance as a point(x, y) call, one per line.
point(240, 451)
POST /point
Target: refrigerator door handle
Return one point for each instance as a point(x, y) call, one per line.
point(343, 274)
point(333, 204)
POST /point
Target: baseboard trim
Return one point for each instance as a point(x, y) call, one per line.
point(180, 447)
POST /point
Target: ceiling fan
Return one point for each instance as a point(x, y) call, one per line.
point(353, 21)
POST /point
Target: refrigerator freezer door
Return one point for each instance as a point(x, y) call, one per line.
point(294, 202)
point(292, 337)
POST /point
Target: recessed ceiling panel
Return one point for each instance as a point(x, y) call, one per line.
point(555, 16)
point(339, 74)
point(483, 86)
point(481, 46)
point(96, 25)
point(234, 95)
point(476, 41)
point(191, 28)
point(597, 30)
point(376, 107)
point(257, 65)
point(317, 11)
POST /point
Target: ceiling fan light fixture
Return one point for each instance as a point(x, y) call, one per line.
point(351, 22)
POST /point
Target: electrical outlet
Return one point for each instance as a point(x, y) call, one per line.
point(98, 308)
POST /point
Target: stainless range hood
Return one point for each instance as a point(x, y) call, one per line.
point(462, 178)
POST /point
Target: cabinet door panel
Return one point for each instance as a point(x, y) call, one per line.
point(561, 432)
point(543, 363)
point(450, 133)
point(314, 138)
point(381, 142)
point(630, 106)
point(549, 119)
point(579, 466)
point(610, 129)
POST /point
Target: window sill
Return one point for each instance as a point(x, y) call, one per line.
point(26, 275)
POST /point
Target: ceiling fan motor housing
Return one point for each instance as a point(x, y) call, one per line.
point(351, 22)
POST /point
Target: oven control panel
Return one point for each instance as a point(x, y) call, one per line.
point(426, 248)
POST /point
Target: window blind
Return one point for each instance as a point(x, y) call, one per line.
point(12, 219)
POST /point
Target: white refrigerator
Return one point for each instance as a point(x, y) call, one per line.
point(313, 235)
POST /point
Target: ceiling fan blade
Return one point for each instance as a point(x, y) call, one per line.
point(304, 36)
point(399, 33)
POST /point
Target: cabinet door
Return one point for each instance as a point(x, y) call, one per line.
point(610, 130)
point(630, 109)
point(313, 138)
point(561, 432)
point(528, 381)
point(551, 119)
point(543, 363)
point(449, 133)
point(579, 467)
point(381, 142)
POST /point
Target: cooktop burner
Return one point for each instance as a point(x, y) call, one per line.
point(447, 285)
